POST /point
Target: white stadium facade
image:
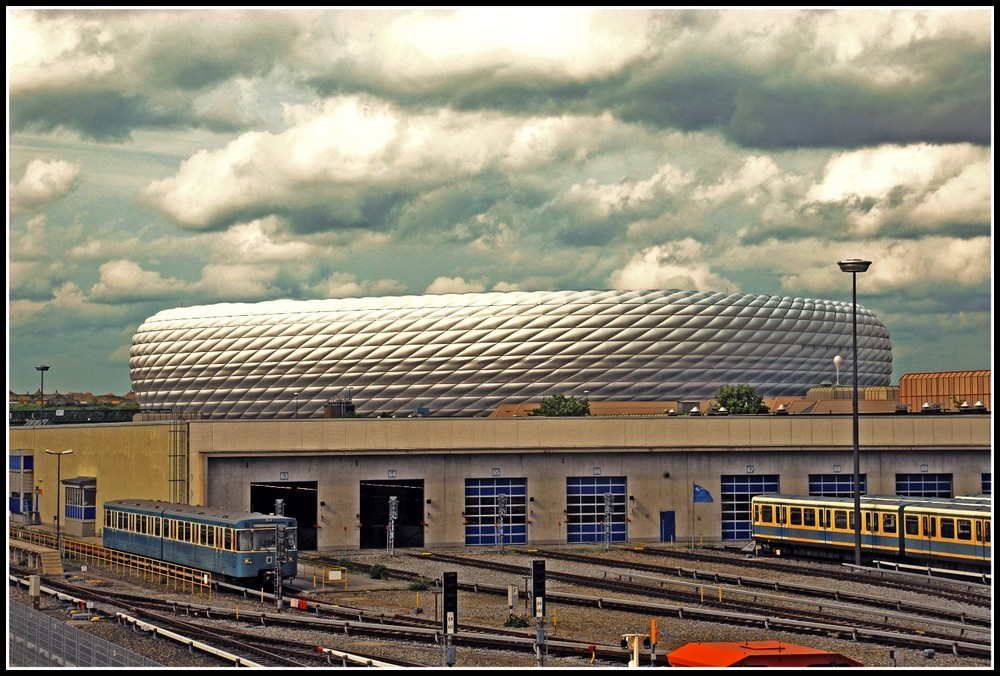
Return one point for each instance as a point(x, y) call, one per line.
point(463, 355)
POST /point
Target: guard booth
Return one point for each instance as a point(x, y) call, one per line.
point(79, 506)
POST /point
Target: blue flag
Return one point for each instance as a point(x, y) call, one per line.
point(701, 495)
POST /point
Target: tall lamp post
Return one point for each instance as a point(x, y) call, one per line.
point(59, 455)
point(854, 266)
point(42, 368)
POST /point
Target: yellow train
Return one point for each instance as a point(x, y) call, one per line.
point(952, 533)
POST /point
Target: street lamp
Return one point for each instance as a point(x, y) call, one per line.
point(854, 266)
point(296, 394)
point(59, 455)
point(42, 368)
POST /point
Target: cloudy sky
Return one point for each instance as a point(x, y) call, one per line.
point(166, 158)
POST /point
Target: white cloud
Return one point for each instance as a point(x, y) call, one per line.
point(927, 185)
point(237, 281)
point(580, 42)
point(678, 265)
point(454, 285)
point(346, 285)
point(338, 152)
point(123, 281)
point(43, 182)
point(938, 262)
point(261, 241)
point(43, 49)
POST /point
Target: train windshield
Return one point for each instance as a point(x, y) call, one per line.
point(264, 539)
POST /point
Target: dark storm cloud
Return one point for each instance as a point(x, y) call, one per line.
point(101, 114)
point(774, 110)
point(202, 51)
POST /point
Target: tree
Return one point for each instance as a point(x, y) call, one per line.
point(561, 405)
point(740, 399)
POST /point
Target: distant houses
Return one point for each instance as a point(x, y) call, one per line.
point(57, 399)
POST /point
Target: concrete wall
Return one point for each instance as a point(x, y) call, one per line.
point(224, 457)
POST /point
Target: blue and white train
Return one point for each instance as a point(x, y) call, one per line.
point(238, 547)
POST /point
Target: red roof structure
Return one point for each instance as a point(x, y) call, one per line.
point(756, 654)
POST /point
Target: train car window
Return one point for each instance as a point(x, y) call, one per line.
point(839, 518)
point(782, 515)
point(186, 531)
point(889, 523)
point(767, 514)
point(157, 526)
point(948, 528)
point(263, 539)
point(964, 530)
point(227, 539)
point(203, 534)
point(987, 527)
point(911, 524)
point(291, 539)
point(824, 518)
point(851, 515)
point(796, 516)
point(871, 522)
point(244, 541)
point(809, 517)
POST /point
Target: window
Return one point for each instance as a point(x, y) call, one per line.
point(836, 485)
point(839, 519)
point(947, 528)
point(924, 485)
point(964, 531)
point(767, 514)
point(244, 540)
point(889, 523)
point(796, 516)
point(809, 517)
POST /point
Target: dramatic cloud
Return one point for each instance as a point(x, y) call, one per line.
point(168, 157)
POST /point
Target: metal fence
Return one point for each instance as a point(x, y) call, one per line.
point(38, 640)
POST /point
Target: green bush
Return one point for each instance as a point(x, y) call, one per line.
point(379, 572)
point(420, 584)
point(517, 621)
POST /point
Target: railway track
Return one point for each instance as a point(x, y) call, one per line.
point(947, 588)
point(963, 594)
point(959, 633)
point(207, 625)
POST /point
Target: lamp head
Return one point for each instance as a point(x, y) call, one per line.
point(42, 367)
point(854, 265)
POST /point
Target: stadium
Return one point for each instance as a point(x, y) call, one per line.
point(463, 355)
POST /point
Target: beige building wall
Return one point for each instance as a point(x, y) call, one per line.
point(660, 457)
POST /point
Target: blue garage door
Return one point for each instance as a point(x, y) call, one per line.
point(595, 509)
point(496, 511)
point(737, 489)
